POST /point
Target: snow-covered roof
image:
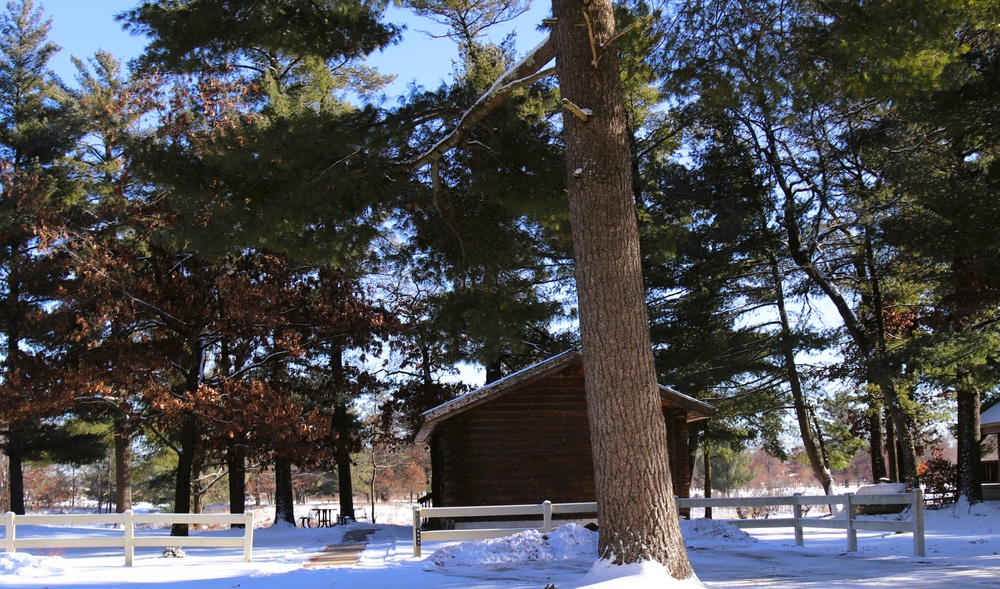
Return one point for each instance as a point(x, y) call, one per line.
point(696, 409)
point(989, 420)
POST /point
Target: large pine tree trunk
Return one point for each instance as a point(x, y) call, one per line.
point(185, 466)
point(970, 469)
point(123, 466)
point(876, 445)
point(284, 497)
point(892, 451)
point(635, 500)
point(345, 483)
point(15, 482)
point(236, 464)
point(345, 428)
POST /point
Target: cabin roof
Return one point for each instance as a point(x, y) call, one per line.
point(696, 410)
point(989, 420)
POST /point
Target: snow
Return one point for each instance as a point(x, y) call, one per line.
point(963, 550)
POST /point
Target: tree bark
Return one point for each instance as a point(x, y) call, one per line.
point(236, 464)
point(372, 480)
point(820, 471)
point(284, 498)
point(15, 483)
point(635, 501)
point(123, 466)
point(891, 451)
point(346, 430)
point(345, 483)
point(876, 444)
point(185, 465)
point(970, 469)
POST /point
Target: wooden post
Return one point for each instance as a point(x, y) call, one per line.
point(797, 512)
point(852, 534)
point(10, 535)
point(248, 537)
point(547, 516)
point(416, 531)
point(129, 529)
point(918, 522)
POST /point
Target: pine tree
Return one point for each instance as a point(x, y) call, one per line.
point(944, 190)
point(767, 69)
point(487, 232)
point(630, 458)
point(38, 128)
point(109, 370)
point(251, 88)
point(717, 309)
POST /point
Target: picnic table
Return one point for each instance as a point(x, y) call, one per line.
point(325, 517)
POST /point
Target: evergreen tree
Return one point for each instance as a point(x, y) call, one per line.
point(943, 190)
point(486, 235)
point(252, 87)
point(38, 128)
point(761, 66)
point(109, 369)
point(719, 320)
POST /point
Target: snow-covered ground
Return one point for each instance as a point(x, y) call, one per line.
point(963, 552)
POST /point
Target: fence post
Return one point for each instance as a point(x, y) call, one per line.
point(128, 527)
point(248, 537)
point(797, 514)
point(416, 530)
point(852, 534)
point(918, 522)
point(546, 516)
point(11, 531)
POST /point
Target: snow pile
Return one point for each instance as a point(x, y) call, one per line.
point(640, 575)
point(713, 533)
point(26, 565)
point(570, 541)
point(574, 542)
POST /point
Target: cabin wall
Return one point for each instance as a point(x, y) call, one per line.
point(677, 446)
point(531, 445)
point(527, 446)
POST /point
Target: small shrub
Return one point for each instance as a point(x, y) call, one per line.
point(756, 512)
point(940, 478)
point(173, 552)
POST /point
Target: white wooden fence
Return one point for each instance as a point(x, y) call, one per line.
point(850, 523)
point(544, 510)
point(129, 540)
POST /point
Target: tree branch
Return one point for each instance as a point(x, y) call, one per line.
point(523, 73)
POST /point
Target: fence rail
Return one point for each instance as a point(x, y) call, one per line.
point(129, 540)
point(850, 523)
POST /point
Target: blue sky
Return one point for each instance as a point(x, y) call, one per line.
point(82, 27)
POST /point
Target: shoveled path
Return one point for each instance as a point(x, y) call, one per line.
point(345, 553)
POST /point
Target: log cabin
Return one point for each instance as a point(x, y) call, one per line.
point(526, 439)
